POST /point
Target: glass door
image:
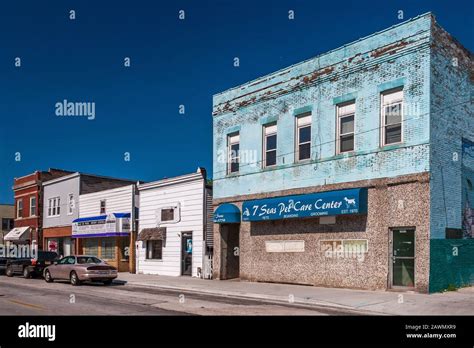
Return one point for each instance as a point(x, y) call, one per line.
point(403, 257)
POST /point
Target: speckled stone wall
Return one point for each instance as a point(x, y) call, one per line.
point(392, 202)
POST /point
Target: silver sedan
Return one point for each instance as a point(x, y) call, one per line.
point(78, 269)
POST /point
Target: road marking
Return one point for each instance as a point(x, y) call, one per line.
point(27, 304)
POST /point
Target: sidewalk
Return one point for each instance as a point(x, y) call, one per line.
point(459, 302)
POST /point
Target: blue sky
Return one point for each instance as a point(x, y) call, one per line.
point(173, 62)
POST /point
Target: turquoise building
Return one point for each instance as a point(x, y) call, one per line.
point(351, 169)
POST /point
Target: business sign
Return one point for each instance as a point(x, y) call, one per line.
point(343, 202)
point(101, 226)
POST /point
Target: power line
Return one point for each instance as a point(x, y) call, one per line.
point(334, 141)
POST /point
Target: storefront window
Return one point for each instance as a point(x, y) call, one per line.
point(125, 248)
point(108, 248)
point(91, 247)
point(154, 249)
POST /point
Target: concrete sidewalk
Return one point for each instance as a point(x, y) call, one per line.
point(459, 302)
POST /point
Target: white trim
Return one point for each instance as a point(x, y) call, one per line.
point(62, 178)
point(303, 121)
point(269, 130)
point(55, 206)
point(171, 181)
point(36, 206)
point(344, 110)
point(232, 139)
point(70, 210)
point(17, 213)
point(390, 97)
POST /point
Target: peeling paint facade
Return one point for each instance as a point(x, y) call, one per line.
point(415, 57)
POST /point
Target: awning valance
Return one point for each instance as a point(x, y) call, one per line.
point(330, 203)
point(18, 234)
point(227, 214)
point(156, 233)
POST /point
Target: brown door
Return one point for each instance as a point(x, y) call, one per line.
point(230, 251)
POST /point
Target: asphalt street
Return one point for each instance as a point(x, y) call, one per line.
point(19, 296)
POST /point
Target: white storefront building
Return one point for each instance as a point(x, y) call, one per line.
point(175, 228)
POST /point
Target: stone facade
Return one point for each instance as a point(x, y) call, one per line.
point(395, 202)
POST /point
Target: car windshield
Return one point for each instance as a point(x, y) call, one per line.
point(88, 259)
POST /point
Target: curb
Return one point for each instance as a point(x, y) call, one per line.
point(254, 296)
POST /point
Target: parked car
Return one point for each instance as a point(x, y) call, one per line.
point(30, 267)
point(80, 268)
point(3, 263)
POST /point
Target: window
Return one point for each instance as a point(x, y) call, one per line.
point(154, 249)
point(53, 206)
point(269, 145)
point(345, 127)
point(91, 247)
point(303, 137)
point(19, 208)
point(32, 206)
point(391, 112)
point(108, 248)
point(233, 150)
point(167, 214)
point(70, 204)
point(102, 207)
point(7, 224)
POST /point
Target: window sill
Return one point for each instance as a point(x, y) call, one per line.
point(393, 146)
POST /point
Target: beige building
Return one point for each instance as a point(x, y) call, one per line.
point(7, 214)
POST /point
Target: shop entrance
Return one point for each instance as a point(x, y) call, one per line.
point(187, 253)
point(230, 251)
point(402, 270)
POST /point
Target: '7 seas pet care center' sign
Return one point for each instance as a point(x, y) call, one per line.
point(343, 202)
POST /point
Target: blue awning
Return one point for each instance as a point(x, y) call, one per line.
point(342, 202)
point(227, 214)
point(122, 215)
point(91, 218)
point(102, 217)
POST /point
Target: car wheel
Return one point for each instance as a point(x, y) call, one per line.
point(75, 279)
point(26, 273)
point(9, 271)
point(47, 277)
point(108, 281)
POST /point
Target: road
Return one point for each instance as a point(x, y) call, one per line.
point(19, 296)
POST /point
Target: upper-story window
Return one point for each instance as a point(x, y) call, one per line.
point(70, 204)
point(102, 206)
point(54, 207)
point(19, 208)
point(269, 145)
point(345, 127)
point(167, 214)
point(32, 206)
point(7, 224)
point(392, 116)
point(303, 137)
point(233, 151)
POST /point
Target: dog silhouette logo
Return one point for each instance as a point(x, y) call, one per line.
point(350, 202)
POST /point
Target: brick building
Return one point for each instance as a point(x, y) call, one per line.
point(28, 218)
point(351, 169)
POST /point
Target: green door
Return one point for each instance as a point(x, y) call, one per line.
point(403, 257)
